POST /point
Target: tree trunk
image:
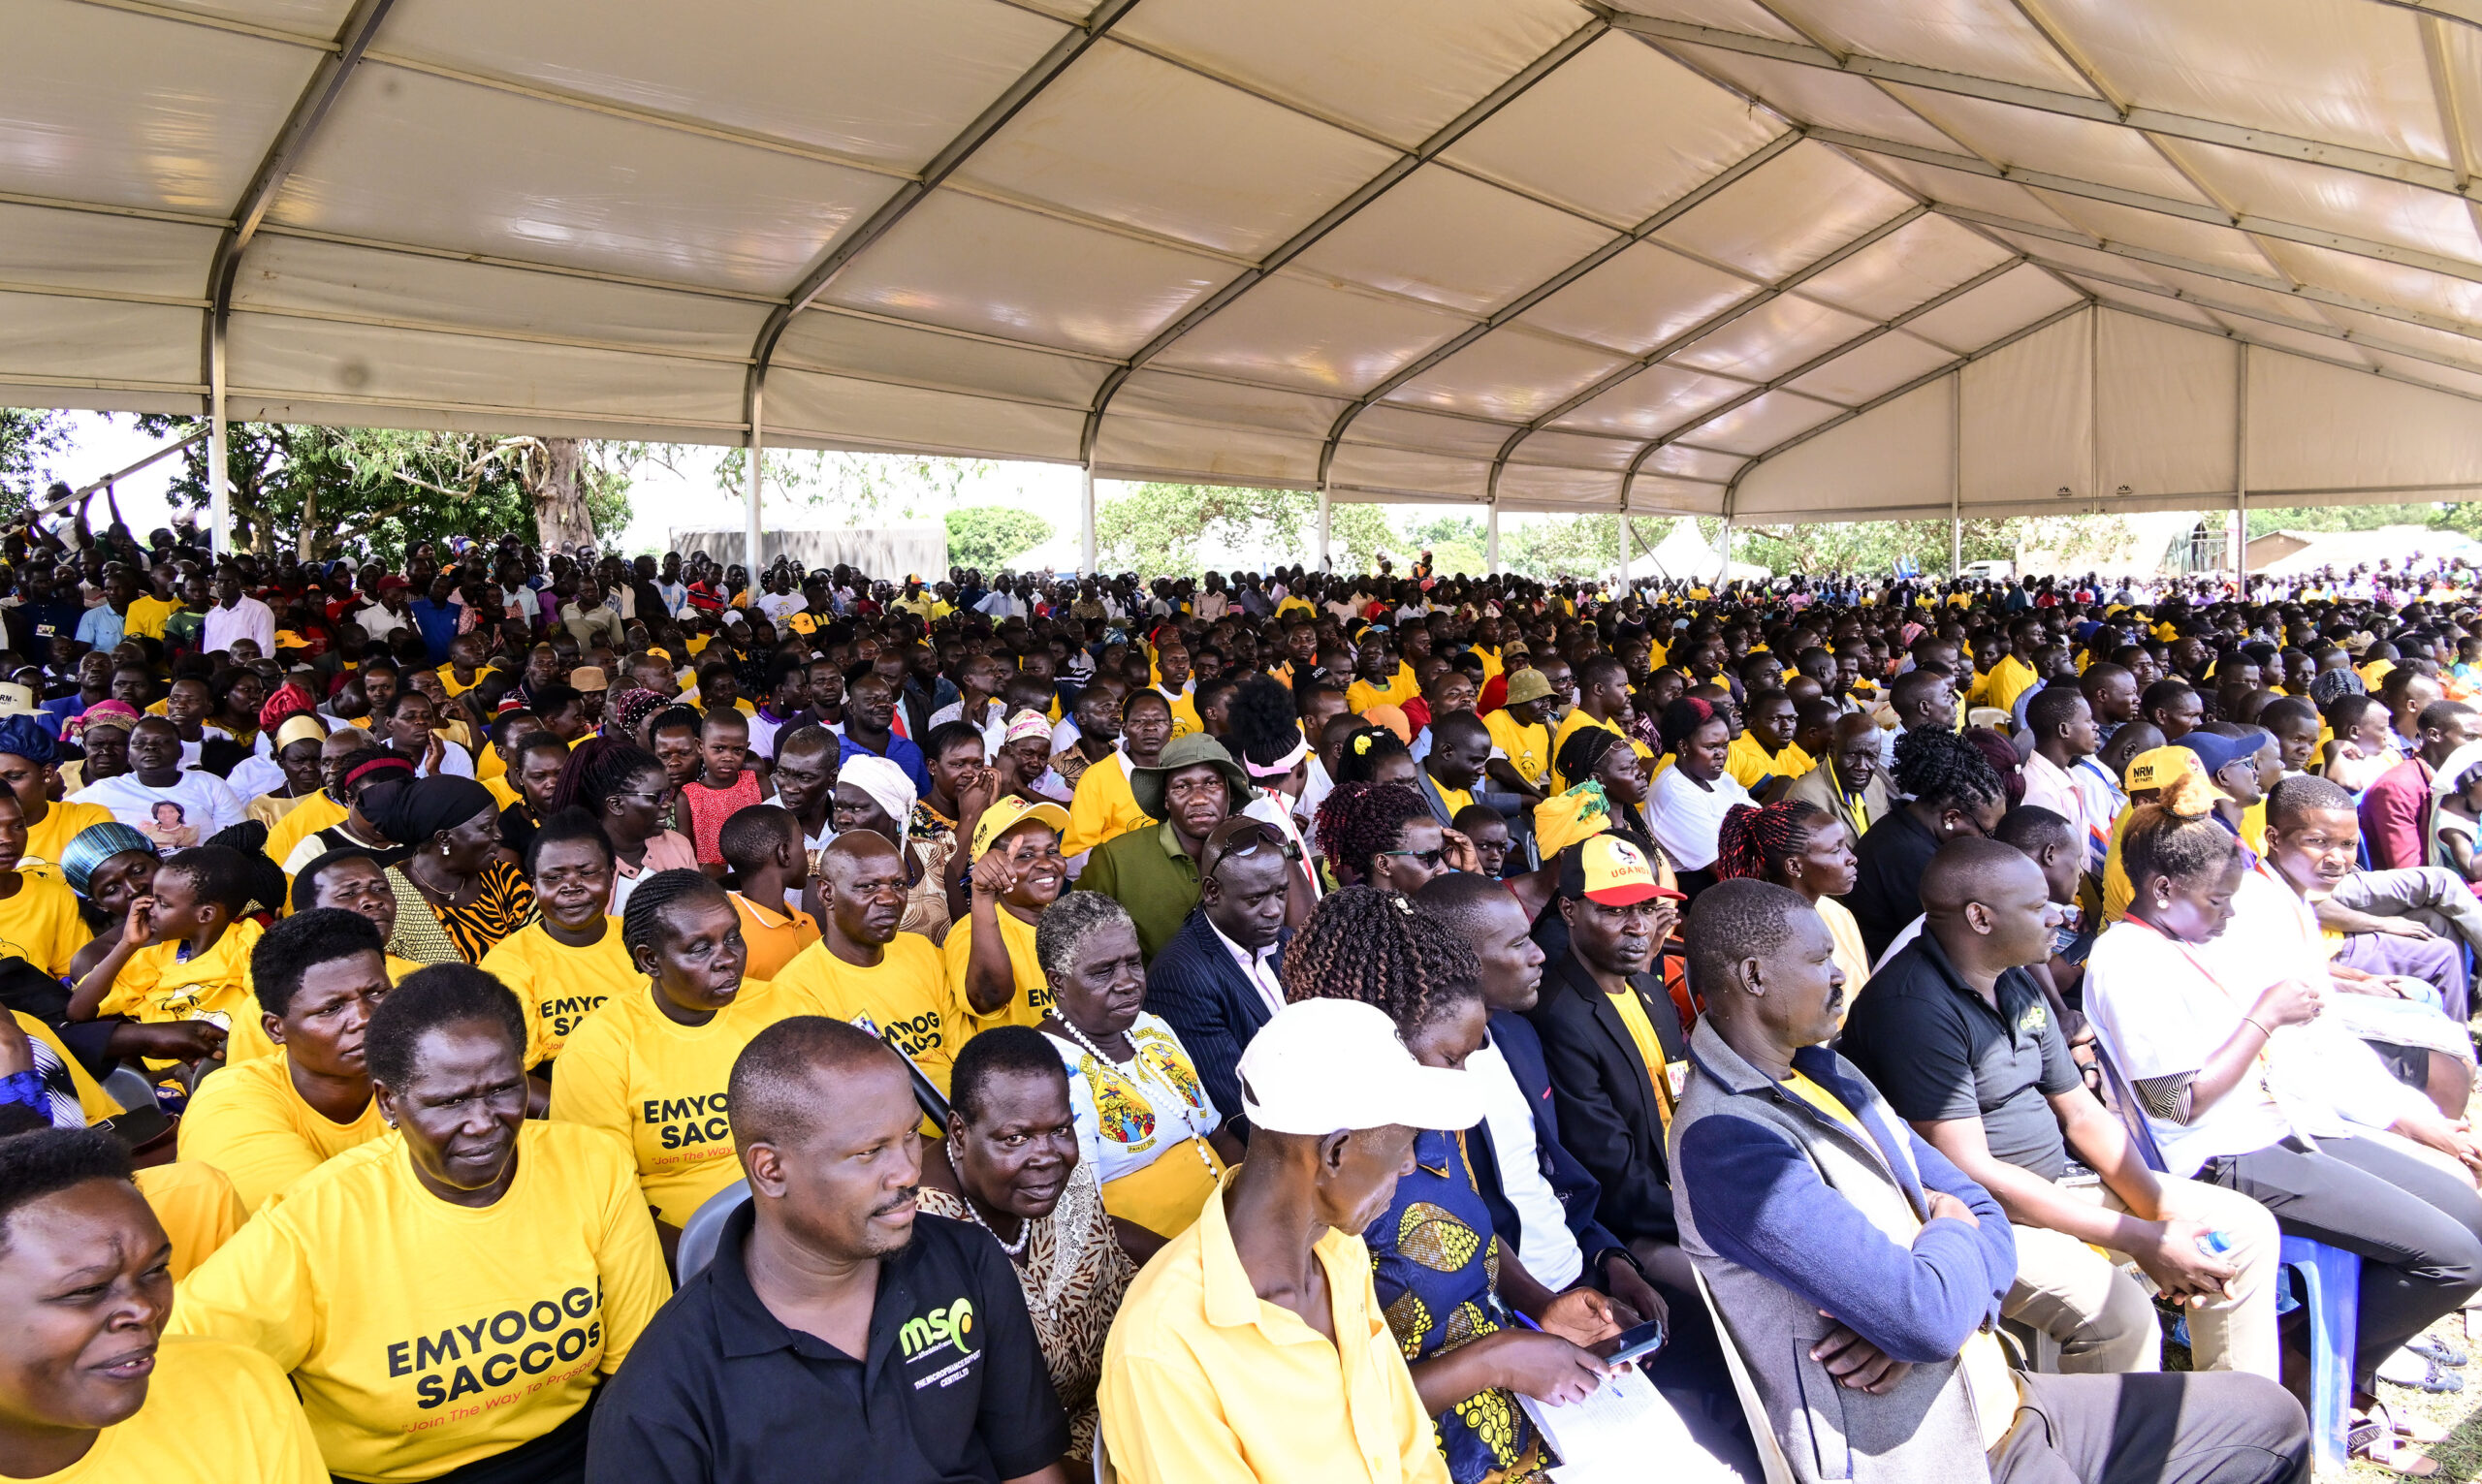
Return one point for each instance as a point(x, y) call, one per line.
point(561, 523)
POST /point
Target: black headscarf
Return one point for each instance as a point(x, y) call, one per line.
point(412, 811)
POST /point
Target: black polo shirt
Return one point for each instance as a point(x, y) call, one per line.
point(1938, 1051)
point(953, 1389)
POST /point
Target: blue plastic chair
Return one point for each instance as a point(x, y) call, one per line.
point(2330, 1278)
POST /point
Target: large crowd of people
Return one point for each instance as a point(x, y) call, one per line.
point(488, 1019)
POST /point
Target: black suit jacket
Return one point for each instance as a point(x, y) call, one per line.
point(1194, 985)
point(1521, 1048)
point(1609, 1116)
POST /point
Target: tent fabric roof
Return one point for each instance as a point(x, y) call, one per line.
point(1777, 259)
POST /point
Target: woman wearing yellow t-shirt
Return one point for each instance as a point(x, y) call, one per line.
point(651, 1064)
point(30, 770)
point(1017, 872)
point(89, 1391)
point(39, 917)
point(565, 962)
point(453, 1294)
point(266, 1123)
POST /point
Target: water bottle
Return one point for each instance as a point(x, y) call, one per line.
point(2215, 1243)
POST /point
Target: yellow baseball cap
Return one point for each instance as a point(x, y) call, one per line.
point(2158, 766)
point(1009, 813)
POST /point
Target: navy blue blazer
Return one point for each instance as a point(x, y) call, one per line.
point(1194, 985)
point(1521, 1047)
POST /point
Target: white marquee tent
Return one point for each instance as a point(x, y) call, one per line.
point(1778, 260)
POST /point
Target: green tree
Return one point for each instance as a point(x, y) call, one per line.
point(29, 440)
point(321, 489)
point(851, 486)
point(991, 536)
point(1556, 547)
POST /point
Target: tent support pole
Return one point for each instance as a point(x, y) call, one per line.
point(1626, 537)
point(1957, 479)
point(2240, 469)
point(1724, 554)
point(220, 481)
point(1322, 528)
point(1085, 519)
point(751, 536)
point(1491, 538)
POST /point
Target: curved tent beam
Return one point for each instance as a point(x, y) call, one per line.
point(1404, 165)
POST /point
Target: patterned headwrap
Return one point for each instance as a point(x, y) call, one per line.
point(630, 709)
point(2332, 684)
point(118, 713)
point(1566, 818)
point(1755, 840)
point(95, 844)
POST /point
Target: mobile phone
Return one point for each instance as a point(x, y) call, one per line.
point(1629, 1345)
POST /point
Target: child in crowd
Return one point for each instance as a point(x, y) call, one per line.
point(184, 954)
point(725, 785)
point(762, 844)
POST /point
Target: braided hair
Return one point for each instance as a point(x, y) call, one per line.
point(1365, 945)
point(1583, 753)
point(599, 768)
point(1356, 821)
point(642, 920)
point(1946, 770)
point(1757, 840)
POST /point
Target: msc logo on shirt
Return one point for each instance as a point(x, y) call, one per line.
point(938, 1327)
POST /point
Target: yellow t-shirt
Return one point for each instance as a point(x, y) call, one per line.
point(634, 1070)
point(248, 1121)
point(1101, 808)
point(1185, 712)
point(197, 1206)
point(1528, 748)
point(454, 687)
point(1577, 720)
point(1034, 995)
point(214, 1412)
point(1749, 765)
point(1650, 1050)
point(39, 923)
point(313, 814)
point(1361, 695)
point(907, 997)
point(558, 986)
point(145, 616)
point(503, 793)
point(157, 986)
point(46, 842)
point(424, 1336)
point(1455, 799)
point(773, 941)
point(2008, 679)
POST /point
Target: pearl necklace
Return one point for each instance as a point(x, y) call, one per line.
point(1127, 1074)
point(1026, 1229)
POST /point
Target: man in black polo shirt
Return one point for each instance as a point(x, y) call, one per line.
point(837, 1334)
point(1958, 1035)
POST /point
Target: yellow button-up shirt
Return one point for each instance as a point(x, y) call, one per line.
point(1204, 1382)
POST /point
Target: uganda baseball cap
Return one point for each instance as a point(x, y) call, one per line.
point(1322, 1066)
point(2158, 766)
point(1008, 812)
point(1609, 870)
point(1527, 686)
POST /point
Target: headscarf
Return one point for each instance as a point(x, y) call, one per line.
point(411, 811)
point(22, 736)
point(2328, 684)
point(630, 709)
point(889, 786)
point(381, 768)
point(95, 844)
point(1566, 818)
point(1026, 724)
point(289, 700)
point(301, 726)
point(119, 713)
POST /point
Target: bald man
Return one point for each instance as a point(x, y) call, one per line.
point(1800, 1195)
point(1849, 781)
point(834, 1321)
point(1960, 1039)
point(863, 971)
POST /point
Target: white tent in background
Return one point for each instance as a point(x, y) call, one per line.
point(1684, 553)
point(1789, 258)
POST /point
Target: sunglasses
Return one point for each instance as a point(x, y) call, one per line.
point(1429, 858)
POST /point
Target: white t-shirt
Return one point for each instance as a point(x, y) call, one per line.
point(1686, 820)
point(778, 606)
point(195, 807)
point(2159, 1011)
point(1548, 1249)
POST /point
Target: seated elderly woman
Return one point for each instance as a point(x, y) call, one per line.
point(1145, 1124)
point(1011, 1165)
point(456, 896)
point(447, 1298)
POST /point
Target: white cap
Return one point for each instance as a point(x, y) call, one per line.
point(1324, 1065)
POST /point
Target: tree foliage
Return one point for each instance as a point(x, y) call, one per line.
point(2452, 516)
point(323, 491)
point(993, 536)
point(1173, 529)
point(30, 439)
point(852, 487)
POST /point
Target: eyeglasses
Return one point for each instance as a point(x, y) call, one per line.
point(1429, 858)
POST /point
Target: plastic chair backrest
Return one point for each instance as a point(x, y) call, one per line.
point(705, 1228)
point(1104, 1473)
point(129, 1087)
point(2140, 1133)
